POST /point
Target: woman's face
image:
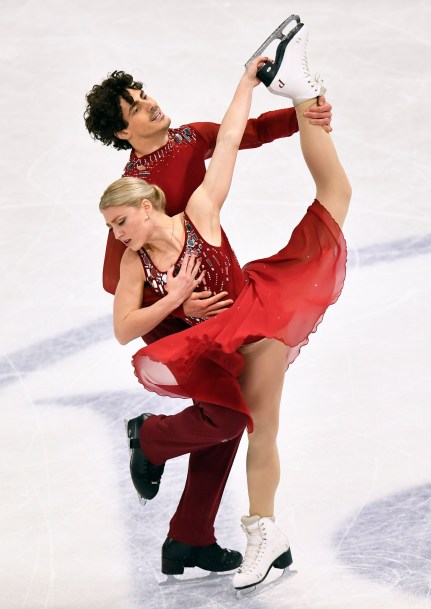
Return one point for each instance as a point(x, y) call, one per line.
point(129, 224)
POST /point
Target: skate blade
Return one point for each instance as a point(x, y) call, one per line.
point(141, 500)
point(178, 580)
point(126, 427)
point(265, 586)
point(278, 33)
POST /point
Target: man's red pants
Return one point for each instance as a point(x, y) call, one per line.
point(211, 434)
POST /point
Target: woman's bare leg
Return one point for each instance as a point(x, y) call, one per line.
point(263, 375)
point(332, 186)
point(262, 384)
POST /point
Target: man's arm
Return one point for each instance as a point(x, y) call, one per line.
point(276, 124)
point(269, 126)
point(320, 114)
point(111, 265)
point(205, 304)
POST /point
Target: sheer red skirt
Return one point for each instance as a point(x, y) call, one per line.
point(284, 297)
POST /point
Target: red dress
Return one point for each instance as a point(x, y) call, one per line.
point(283, 297)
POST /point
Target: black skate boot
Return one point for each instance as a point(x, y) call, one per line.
point(177, 555)
point(145, 476)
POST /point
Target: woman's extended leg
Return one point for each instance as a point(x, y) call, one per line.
point(262, 384)
point(333, 189)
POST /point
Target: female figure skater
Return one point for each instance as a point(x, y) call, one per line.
point(236, 360)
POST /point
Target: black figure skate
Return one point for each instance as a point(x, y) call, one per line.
point(145, 476)
point(177, 556)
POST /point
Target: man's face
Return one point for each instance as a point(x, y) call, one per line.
point(144, 117)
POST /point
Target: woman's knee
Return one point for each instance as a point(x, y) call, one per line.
point(264, 432)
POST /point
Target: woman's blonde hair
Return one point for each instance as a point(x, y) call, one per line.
point(131, 191)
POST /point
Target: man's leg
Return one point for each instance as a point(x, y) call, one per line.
point(207, 475)
point(163, 437)
point(211, 435)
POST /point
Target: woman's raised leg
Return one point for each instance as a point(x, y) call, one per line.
point(333, 189)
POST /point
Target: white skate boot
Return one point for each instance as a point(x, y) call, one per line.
point(290, 75)
point(267, 547)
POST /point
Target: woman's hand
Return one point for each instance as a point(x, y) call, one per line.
point(253, 67)
point(179, 287)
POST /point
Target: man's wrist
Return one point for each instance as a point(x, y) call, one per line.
point(173, 301)
point(179, 312)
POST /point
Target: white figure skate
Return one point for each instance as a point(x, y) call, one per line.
point(289, 74)
point(267, 547)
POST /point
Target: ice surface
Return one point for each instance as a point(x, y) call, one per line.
point(354, 441)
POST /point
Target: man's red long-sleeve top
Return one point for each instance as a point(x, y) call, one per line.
point(178, 168)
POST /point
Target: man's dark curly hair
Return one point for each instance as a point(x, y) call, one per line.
point(103, 116)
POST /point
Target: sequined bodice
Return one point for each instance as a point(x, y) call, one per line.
point(219, 262)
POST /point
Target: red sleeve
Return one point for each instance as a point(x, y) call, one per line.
point(111, 266)
point(170, 325)
point(208, 132)
point(264, 129)
point(268, 127)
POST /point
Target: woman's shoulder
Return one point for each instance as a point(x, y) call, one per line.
point(131, 262)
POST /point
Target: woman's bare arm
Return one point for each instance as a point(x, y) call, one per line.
point(130, 319)
point(207, 200)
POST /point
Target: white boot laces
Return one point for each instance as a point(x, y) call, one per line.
point(305, 61)
point(315, 81)
point(256, 541)
point(318, 81)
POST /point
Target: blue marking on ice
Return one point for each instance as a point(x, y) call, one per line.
point(389, 541)
point(391, 251)
point(52, 350)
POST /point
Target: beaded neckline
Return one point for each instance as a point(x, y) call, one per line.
point(143, 165)
point(214, 261)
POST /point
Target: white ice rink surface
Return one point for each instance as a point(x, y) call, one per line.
point(355, 430)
